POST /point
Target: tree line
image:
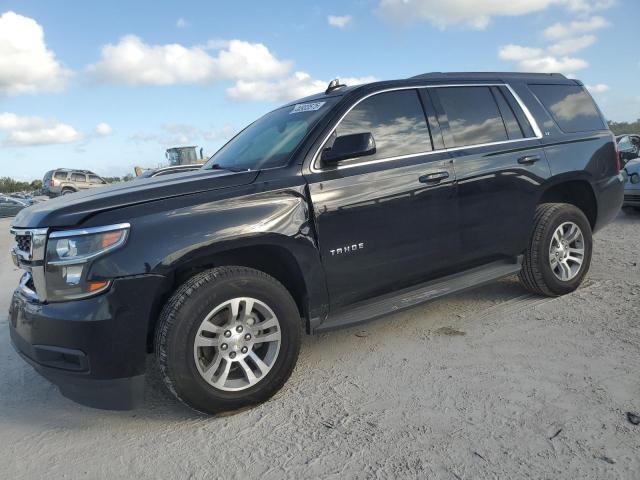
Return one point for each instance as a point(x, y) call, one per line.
point(619, 128)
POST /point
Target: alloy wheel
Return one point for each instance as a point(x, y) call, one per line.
point(237, 344)
point(566, 252)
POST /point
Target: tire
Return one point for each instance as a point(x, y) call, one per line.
point(182, 322)
point(67, 191)
point(537, 274)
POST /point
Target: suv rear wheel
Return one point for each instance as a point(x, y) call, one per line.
point(559, 253)
point(228, 338)
point(67, 191)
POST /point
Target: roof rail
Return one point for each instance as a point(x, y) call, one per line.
point(446, 75)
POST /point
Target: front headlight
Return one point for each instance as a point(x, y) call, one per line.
point(69, 257)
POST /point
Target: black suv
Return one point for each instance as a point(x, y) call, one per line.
point(326, 212)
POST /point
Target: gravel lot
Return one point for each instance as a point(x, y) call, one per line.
point(492, 383)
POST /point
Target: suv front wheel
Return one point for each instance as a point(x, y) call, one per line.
point(559, 252)
point(228, 338)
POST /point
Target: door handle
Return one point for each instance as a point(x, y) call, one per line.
point(433, 177)
point(528, 159)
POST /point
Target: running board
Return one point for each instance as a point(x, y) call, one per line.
point(410, 297)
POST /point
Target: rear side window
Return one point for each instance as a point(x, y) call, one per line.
point(570, 106)
point(396, 121)
point(473, 115)
point(95, 179)
point(60, 175)
point(78, 177)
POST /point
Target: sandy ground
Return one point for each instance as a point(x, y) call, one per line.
point(492, 383)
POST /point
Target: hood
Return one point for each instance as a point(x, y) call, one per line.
point(71, 209)
point(633, 166)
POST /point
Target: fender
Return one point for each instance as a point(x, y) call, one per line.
point(165, 240)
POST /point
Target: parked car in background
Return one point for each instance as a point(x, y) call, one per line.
point(63, 181)
point(171, 170)
point(632, 185)
point(629, 147)
point(10, 206)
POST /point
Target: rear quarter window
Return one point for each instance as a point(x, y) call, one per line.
point(570, 106)
point(60, 175)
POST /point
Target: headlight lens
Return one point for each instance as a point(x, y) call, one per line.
point(69, 257)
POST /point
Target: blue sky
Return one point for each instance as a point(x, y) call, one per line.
point(110, 85)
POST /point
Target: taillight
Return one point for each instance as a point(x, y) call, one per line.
point(52, 183)
point(617, 147)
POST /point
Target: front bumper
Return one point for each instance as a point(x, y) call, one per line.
point(631, 198)
point(93, 349)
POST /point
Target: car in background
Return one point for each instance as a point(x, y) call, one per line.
point(26, 198)
point(10, 206)
point(171, 170)
point(64, 181)
point(631, 173)
point(629, 147)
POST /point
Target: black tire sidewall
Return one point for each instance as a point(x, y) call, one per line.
point(186, 380)
point(565, 214)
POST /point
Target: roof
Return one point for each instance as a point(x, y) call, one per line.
point(502, 77)
point(77, 170)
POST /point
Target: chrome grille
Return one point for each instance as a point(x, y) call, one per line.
point(28, 253)
point(23, 242)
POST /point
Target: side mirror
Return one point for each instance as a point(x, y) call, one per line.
point(349, 146)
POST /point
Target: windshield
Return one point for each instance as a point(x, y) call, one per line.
point(269, 141)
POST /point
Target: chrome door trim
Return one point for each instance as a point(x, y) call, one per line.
point(527, 113)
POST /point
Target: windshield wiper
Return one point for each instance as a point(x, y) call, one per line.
point(215, 166)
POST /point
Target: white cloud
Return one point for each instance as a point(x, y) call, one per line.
point(299, 85)
point(598, 88)
point(473, 13)
point(530, 59)
point(556, 57)
point(551, 64)
point(572, 45)
point(131, 61)
point(568, 39)
point(28, 131)
point(26, 64)
point(519, 53)
point(339, 21)
point(588, 6)
point(182, 23)
point(578, 27)
point(103, 129)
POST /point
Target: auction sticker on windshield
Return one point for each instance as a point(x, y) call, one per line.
point(306, 107)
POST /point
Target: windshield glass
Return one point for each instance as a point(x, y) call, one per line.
point(269, 141)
